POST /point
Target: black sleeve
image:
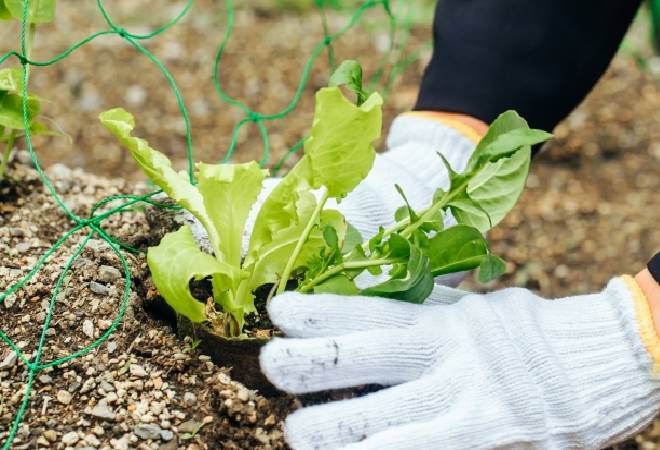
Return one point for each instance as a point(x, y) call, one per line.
point(539, 57)
point(654, 267)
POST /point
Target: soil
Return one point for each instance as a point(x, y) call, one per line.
point(588, 213)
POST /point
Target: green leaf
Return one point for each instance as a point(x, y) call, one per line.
point(229, 191)
point(176, 261)
point(286, 209)
point(4, 12)
point(40, 129)
point(353, 238)
point(456, 249)
point(11, 79)
point(338, 284)
point(349, 74)
point(330, 237)
point(159, 170)
point(11, 110)
point(411, 212)
point(416, 284)
point(491, 267)
point(508, 133)
point(492, 191)
point(339, 148)
point(39, 11)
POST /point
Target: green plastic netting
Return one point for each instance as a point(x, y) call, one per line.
point(393, 63)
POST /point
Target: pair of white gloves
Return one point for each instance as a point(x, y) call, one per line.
point(505, 370)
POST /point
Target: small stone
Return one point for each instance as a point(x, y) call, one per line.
point(171, 445)
point(59, 172)
point(70, 438)
point(98, 288)
point(9, 361)
point(188, 426)
point(189, 398)
point(64, 397)
point(147, 431)
point(87, 386)
point(108, 273)
point(107, 387)
point(50, 435)
point(102, 410)
point(112, 346)
point(243, 395)
point(23, 247)
point(88, 328)
point(166, 435)
point(104, 324)
point(45, 378)
point(138, 370)
point(270, 421)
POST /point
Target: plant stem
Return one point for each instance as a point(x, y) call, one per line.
point(341, 267)
point(303, 238)
point(7, 152)
point(32, 31)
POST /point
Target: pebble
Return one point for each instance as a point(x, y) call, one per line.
point(112, 346)
point(23, 247)
point(99, 288)
point(166, 435)
point(243, 395)
point(88, 328)
point(137, 370)
point(64, 397)
point(189, 398)
point(188, 426)
point(107, 387)
point(50, 435)
point(108, 273)
point(9, 361)
point(87, 386)
point(102, 410)
point(70, 438)
point(147, 431)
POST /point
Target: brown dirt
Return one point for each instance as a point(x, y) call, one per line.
point(588, 212)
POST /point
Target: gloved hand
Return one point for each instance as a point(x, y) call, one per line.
point(505, 370)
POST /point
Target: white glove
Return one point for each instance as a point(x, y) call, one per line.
point(505, 370)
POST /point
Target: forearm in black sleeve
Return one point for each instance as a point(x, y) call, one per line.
point(539, 57)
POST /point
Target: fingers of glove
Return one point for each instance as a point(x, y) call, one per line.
point(339, 423)
point(471, 424)
point(300, 315)
point(381, 356)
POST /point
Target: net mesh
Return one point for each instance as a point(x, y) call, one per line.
point(394, 61)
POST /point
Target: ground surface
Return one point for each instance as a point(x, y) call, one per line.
point(588, 213)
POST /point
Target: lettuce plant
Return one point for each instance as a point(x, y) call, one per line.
point(295, 239)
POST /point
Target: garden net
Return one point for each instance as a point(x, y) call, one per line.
point(394, 61)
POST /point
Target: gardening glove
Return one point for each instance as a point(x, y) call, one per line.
point(504, 370)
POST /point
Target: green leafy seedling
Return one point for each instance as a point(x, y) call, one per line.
point(296, 238)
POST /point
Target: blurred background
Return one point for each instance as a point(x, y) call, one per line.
point(590, 210)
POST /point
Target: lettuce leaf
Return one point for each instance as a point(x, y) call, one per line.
point(159, 170)
point(229, 192)
point(339, 149)
point(176, 261)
